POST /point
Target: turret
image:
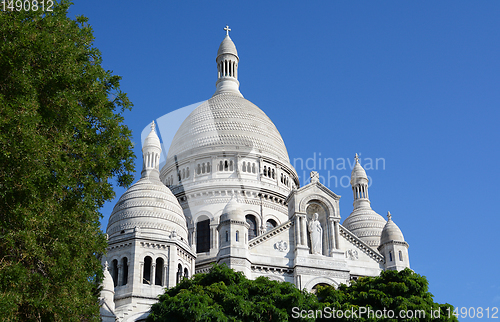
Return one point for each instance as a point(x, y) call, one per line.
point(393, 246)
point(227, 67)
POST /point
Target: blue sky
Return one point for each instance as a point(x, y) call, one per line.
point(413, 83)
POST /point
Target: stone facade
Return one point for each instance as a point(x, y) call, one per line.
point(228, 194)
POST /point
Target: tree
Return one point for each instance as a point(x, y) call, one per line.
point(404, 292)
point(62, 142)
point(225, 295)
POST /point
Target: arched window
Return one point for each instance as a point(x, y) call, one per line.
point(248, 167)
point(203, 236)
point(253, 168)
point(390, 256)
point(237, 235)
point(226, 165)
point(198, 171)
point(159, 271)
point(227, 236)
point(124, 271)
point(208, 167)
point(273, 173)
point(244, 168)
point(269, 172)
point(265, 171)
point(146, 273)
point(270, 225)
point(203, 168)
point(179, 273)
point(114, 271)
point(400, 255)
point(252, 230)
point(231, 165)
point(186, 273)
point(221, 166)
point(187, 172)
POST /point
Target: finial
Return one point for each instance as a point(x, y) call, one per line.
point(153, 126)
point(227, 29)
point(356, 158)
point(389, 216)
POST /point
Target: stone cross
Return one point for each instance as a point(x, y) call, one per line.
point(227, 29)
point(314, 176)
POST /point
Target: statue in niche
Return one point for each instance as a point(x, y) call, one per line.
point(316, 233)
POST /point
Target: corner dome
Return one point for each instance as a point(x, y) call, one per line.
point(366, 224)
point(227, 47)
point(391, 232)
point(152, 140)
point(232, 211)
point(150, 208)
point(227, 122)
point(107, 281)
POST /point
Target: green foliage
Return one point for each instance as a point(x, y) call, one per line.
point(402, 291)
point(61, 143)
point(225, 295)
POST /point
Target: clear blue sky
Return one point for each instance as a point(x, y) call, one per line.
point(413, 82)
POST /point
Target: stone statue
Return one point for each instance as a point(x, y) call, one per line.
point(316, 233)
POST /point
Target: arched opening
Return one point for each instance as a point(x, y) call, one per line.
point(231, 165)
point(146, 273)
point(390, 256)
point(237, 235)
point(186, 273)
point(114, 271)
point(226, 165)
point(227, 236)
point(208, 167)
point(270, 224)
point(179, 273)
point(400, 255)
point(159, 271)
point(203, 236)
point(253, 168)
point(124, 271)
point(203, 169)
point(244, 168)
point(198, 171)
point(252, 230)
point(314, 290)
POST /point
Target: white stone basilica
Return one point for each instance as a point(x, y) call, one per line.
point(228, 194)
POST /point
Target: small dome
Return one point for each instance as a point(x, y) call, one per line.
point(366, 224)
point(232, 211)
point(357, 172)
point(149, 206)
point(107, 282)
point(152, 139)
point(227, 47)
point(391, 232)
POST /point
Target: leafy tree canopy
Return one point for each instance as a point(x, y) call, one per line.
point(225, 295)
point(62, 142)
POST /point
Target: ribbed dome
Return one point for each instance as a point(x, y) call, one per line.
point(227, 47)
point(152, 139)
point(366, 224)
point(357, 172)
point(107, 281)
point(390, 232)
point(232, 211)
point(229, 122)
point(149, 206)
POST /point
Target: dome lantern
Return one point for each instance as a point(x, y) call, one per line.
point(227, 67)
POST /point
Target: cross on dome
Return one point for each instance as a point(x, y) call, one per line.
point(227, 29)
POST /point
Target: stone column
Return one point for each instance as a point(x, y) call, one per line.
point(164, 274)
point(153, 273)
point(331, 235)
point(297, 230)
point(304, 230)
point(120, 275)
point(141, 273)
point(336, 227)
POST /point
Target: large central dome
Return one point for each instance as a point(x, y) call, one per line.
point(230, 122)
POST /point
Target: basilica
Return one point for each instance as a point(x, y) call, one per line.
point(228, 194)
